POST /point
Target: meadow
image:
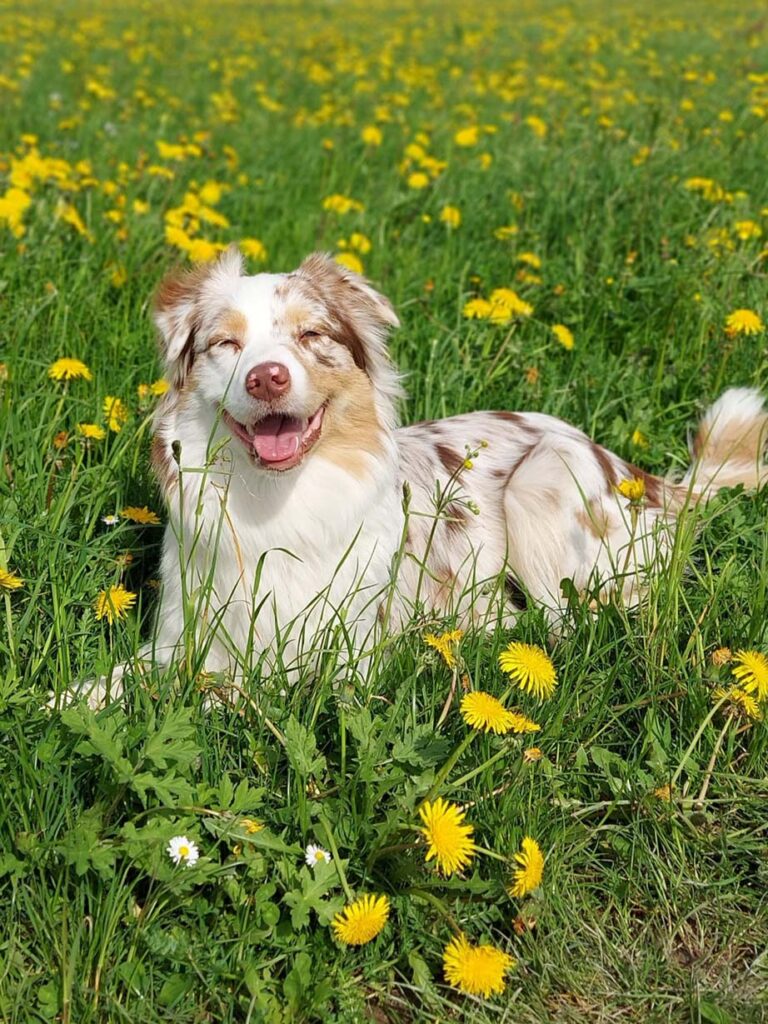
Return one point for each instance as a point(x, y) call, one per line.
point(605, 162)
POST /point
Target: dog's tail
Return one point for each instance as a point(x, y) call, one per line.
point(730, 445)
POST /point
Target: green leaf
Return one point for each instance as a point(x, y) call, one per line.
point(10, 865)
point(298, 980)
point(713, 1014)
point(422, 976)
point(102, 738)
point(83, 848)
point(301, 748)
point(174, 988)
point(173, 742)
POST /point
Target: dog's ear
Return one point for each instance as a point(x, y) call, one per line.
point(362, 317)
point(180, 304)
point(348, 293)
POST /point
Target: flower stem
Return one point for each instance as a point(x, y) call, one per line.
point(437, 903)
point(699, 803)
point(452, 759)
point(336, 858)
point(504, 752)
point(695, 740)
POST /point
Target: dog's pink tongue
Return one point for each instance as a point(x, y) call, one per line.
point(277, 438)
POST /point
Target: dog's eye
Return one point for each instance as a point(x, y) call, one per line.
point(308, 335)
point(227, 343)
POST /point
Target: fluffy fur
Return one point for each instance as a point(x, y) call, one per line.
point(261, 562)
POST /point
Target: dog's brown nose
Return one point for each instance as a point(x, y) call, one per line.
point(268, 381)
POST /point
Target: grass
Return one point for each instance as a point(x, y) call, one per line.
point(650, 909)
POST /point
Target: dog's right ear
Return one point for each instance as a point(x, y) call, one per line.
point(180, 304)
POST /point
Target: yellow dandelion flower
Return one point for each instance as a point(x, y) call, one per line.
point(200, 250)
point(530, 259)
point(532, 754)
point(747, 229)
point(483, 711)
point(360, 242)
point(141, 515)
point(350, 261)
point(507, 301)
point(118, 275)
point(506, 231)
point(743, 321)
point(477, 309)
point(664, 792)
point(740, 699)
point(564, 335)
point(372, 135)
point(251, 826)
point(537, 126)
point(444, 644)
point(69, 369)
point(751, 669)
point(92, 431)
point(521, 723)
point(476, 970)
point(451, 216)
point(418, 179)
point(112, 604)
point(9, 581)
point(639, 440)
point(528, 876)
point(159, 387)
point(633, 489)
point(342, 204)
point(361, 921)
point(467, 136)
point(531, 668)
point(67, 212)
point(254, 248)
point(450, 841)
point(115, 413)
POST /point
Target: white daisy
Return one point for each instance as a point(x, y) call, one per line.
point(183, 851)
point(110, 520)
point(315, 855)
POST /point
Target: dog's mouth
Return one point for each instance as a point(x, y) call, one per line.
point(278, 441)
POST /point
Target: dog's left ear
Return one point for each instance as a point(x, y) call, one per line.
point(348, 292)
point(363, 317)
point(180, 305)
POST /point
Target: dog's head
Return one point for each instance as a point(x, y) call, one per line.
point(294, 363)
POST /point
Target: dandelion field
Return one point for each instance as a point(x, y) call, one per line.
point(567, 206)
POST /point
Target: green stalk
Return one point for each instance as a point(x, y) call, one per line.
point(336, 858)
point(452, 759)
point(695, 740)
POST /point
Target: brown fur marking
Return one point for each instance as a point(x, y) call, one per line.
point(654, 487)
point(163, 465)
point(594, 518)
point(451, 460)
point(456, 518)
point(351, 429)
point(603, 459)
point(232, 325)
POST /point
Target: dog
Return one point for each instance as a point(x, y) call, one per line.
point(301, 516)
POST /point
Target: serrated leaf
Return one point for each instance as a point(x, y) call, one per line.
point(173, 742)
point(301, 748)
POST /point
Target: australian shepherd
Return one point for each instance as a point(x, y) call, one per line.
point(301, 514)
